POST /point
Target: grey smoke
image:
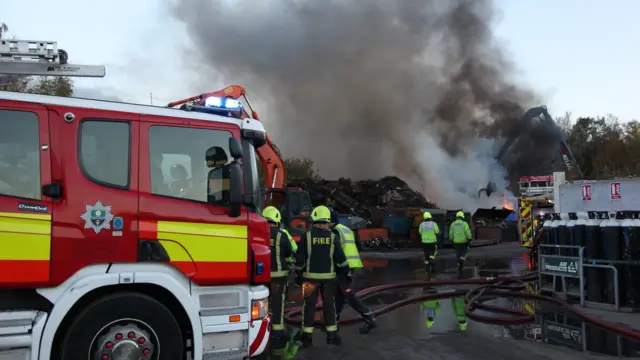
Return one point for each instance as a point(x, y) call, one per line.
point(415, 88)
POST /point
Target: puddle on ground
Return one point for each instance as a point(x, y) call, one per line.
point(445, 317)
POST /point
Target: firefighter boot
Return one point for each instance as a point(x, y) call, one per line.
point(460, 267)
point(307, 340)
point(333, 338)
point(369, 324)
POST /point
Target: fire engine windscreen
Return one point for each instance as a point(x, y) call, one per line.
point(417, 88)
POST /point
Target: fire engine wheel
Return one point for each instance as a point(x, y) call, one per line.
point(124, 326)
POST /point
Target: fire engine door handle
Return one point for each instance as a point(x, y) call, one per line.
point(151, 251)
point(52, 190)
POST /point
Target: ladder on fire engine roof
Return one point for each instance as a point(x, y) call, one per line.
point(29, 57)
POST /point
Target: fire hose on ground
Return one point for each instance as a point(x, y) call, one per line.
point(487, 288)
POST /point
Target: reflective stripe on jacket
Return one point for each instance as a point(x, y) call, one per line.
point(348, 242)
point(459, 232)
point(319, 254)
point(429, 231)
point(280, 251)
point(294, 245)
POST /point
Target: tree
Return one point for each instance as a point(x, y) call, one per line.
point(58, 86)
point(604, 147)
point(3, 29)
point(301, 169)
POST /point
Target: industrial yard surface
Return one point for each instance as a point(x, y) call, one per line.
point(402, 334)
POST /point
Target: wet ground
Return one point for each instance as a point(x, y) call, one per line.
point(404, 334)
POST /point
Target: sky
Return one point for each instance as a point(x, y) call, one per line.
point(582, 56)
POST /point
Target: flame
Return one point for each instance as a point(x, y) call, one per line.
point(507, 204)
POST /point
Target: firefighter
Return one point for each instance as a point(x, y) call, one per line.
point(280, 251)
point(429, 234)
point(458, 308)
point(318, 259)
point(460, 235)
point(347, 291)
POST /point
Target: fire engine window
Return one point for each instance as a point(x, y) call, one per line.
point(177, 163)
point(105, 150)
point(19, 154)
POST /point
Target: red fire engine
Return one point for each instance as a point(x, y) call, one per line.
point(127, 231)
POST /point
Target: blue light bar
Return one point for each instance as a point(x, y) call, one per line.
point(224, 103)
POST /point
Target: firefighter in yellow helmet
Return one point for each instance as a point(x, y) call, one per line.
point(347, 293)
point(429, 232)
point(280, 251)
point(318, 259)
point(460, 235)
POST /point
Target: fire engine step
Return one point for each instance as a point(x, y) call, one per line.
point(15, 332)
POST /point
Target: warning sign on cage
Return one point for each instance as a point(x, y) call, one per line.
point(615, 190)
point(586, 192)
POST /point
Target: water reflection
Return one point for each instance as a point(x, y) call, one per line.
point(437, 318)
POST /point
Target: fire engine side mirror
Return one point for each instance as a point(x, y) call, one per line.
point(235, 188)
point(235, 149)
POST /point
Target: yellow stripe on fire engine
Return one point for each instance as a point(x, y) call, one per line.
point(204, 242)
point(25, 236)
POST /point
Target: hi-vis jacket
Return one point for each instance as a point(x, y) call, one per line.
point(348, 242)
point(280, 251)
point(319, 255)
point(429, 232)
point(459, 232)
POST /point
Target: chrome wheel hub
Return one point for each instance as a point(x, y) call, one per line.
point(130, 341)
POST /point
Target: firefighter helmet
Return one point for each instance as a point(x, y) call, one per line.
point(321, 214)
point(271, 214)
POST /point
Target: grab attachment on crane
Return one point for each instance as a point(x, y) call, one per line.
point(30, 57)
point(525, 124)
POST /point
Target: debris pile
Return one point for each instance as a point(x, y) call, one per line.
point(362, 197)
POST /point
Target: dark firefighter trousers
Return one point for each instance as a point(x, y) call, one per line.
point(461, 252)
point(430, 252)
point(347, 294)
point(277, 299)
point(310, 291)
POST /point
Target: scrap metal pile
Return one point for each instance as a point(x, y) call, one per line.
point(361, 198)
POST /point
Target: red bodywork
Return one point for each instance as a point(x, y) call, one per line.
point(536, 178)
point(73, 247)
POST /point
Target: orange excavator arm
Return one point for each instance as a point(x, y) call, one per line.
point(269, 155)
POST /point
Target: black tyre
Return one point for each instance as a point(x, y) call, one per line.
point(123, 323)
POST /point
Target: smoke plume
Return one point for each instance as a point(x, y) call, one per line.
point(415, 88)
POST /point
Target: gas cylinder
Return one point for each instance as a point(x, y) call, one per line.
point(593, 236)
point(570, 241)
point(613, 251)
point(571, 228)
point(547, 235)
point(554, 232)
point(580, 229)
point(633, 249)
point(628, 237)
point(563, 233)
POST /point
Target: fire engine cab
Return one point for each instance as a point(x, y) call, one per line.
point(127, 231)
